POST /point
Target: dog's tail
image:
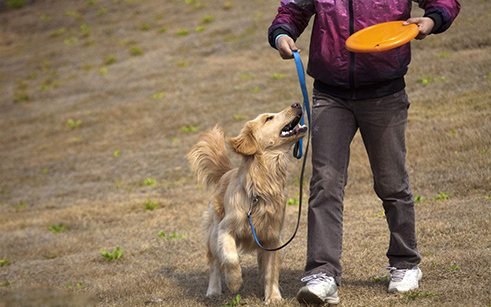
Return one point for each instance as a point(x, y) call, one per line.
point(208, 158)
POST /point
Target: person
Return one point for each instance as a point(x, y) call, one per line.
point(363, 91)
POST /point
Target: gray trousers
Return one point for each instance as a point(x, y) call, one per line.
point(382, 123)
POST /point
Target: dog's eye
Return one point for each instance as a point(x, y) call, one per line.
point(269, 118)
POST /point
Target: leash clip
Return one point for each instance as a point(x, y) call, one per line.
point(254, 201)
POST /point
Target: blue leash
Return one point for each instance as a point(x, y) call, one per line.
point(297, 153)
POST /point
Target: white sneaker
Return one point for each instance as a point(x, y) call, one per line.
point(320, 289)
point(403, 280)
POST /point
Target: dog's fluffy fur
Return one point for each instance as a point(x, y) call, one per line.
point(264, 144)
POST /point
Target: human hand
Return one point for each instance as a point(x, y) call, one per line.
point(285, 46)
point(425, 25)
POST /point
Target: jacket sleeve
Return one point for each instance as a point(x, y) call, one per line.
point(443, 12)
point(292, 19)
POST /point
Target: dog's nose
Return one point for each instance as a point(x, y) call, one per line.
point(296, 106)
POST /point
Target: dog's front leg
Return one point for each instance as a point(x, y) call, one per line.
point(230, 260)
point(270, 267)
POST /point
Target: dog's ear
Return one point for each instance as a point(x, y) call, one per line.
point(245, 143)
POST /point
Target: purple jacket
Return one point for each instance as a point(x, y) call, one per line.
point(335, 20)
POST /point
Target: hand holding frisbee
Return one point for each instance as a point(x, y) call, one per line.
point(382, 37)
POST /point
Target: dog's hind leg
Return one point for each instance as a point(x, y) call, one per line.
point(215, 285)
point(230, 260)
point(270, 266)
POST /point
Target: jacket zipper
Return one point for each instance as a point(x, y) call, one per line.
point(352, 55)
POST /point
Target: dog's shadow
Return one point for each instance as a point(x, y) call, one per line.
point(195, 284)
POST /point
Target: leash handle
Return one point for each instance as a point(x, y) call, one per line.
point(297, 153)
point(298, 149)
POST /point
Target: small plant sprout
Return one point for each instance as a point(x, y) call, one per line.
point(245, 76)
point(117, 254)
point(4, 262)
point(91, 3)
point(71, 13)
point(381, 214)
point(236, 301)
point(190, 128)
point(454, 267)
point(239, 117)
point(136, 51)
point(488, 76)
point(70, 41)
point(85, 30)
point(6, 284)
point(439, 79)
point(162, 30)
point(418, 198)
point(278, 76)
point(145, 27)
point(70, 287)
point(110, 60)
point(150, 205)
point(161, 234)
point(103, 71)
point(57, 228)
point(442, 196)
point(380, 279)
point(487, 197)
point(150, 181)
point(425, 81)
point(159, 96)
point(208, 19)
point(116, 153)
point(292, 202)
point(257, 89)
point(73, 124)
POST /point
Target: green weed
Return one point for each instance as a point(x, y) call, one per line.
point(6, 284)
point(110, 60)
point(159, 95)
point(70, 287)
point(57, 228)
point(90, 3)
point(20, 97)
point(239, 117)
point(116, 153)
point(161, 234)
point(442, 196)
point(127, 42)
point(245, 76)
point(208, 19)
point(162, 30)
point(454, 267)
point(101, 11)
point(425, 81)
point(73, 124)
point(45, 17)
point(236, 301)
point(380, 279)
point(32, 76)
point(4, 262)
point(71, 13)
point(439, 79)
point(200, 29)
point(150, 205)
point(58, 32)
point(182, 32)
point(15, 4)
point(278, 76)
point(103, 71)
point(150, 181)
point(414, 294)
point(70, 41)
point(136, 51)
point(418, 198)
point(256, 89)
point(145, 27)
point(117, 254)
point(190, 128)
point(85, 30)
point(443, 55)
point(381, 214)
point(487, 76)
point(292, 202)
point(487, 197)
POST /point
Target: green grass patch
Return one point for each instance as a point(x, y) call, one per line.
point(256, 89)
point(76, 286)
point(117, 254)
point(57, 228)
point(162, 30)
point(381, 279)
point(85, 30)
point(58, 32)
point(239, 117)
point(453, 267)
point(145, 27)
point(442, 196)
point(103, 71)
point(236, 301)
point(117, 153)
point(6, 284)
point(292, 202)
point(72, 13)
point(200, 29)
point(101, 11)
point(70, 41)
point(183, 63)
point(182, 32)
point(15, 4)
point(91, 3)
point(135, 51)
point(190, 128)
point(149, 205)
point(110, 60)
point(173, 235)
point(418, 198)
point(208, 19)
point(150, 181)
point(45, 17)
point(159, 96)
point(4, 262)
point(444, 55)
point(278, 76)
point(228, 5)
point(245, 76)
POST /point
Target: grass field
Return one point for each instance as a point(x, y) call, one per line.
point(101, 100)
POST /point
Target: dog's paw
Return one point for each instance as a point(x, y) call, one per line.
point(233, 276)
point(213, 292)
point(273, 299)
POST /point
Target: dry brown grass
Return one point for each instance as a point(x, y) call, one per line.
point(52, 174)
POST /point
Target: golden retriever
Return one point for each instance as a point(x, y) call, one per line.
point(264, 144)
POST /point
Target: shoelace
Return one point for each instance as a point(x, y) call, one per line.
point(395, 273)
point(316, 278)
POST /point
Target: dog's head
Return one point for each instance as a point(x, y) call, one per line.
point(270, 131)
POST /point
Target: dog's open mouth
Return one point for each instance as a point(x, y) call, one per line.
point(291, 128)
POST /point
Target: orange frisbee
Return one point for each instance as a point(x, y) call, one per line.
point(381, 37)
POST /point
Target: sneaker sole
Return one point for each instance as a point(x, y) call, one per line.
point(306, 297)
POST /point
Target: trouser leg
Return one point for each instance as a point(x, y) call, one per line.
point(333, 128)
point(382, 123)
